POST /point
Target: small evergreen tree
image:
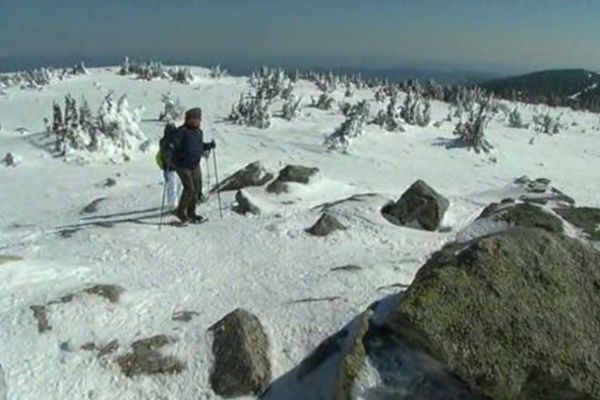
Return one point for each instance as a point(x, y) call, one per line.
point(515, 120)
point(323, 102)
point(471, 132)
point(352, 127)
point(291, 108)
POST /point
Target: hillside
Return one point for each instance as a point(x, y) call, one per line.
point(70, 224)
point(577, 88)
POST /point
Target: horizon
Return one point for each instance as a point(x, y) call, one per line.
point(471, 37)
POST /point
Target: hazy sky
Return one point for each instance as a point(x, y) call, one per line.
point(379, 33)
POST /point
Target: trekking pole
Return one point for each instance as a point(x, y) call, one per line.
point(217, 180)
point(207, 177)
point(162, 206)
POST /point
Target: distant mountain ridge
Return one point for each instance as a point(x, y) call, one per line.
point(576, 88)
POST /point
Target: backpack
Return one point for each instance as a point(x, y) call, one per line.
point(168, 132)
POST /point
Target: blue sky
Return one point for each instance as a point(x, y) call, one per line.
point(478, 34)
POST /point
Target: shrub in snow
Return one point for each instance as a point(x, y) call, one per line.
point(546, 123)
point(349, 92)
point(38, 78)
point(352, 127)
point(326, 83)
point(323, 102)
point(172, 108)
point(515, 120)
point(291, 108)
point(155, 70)
point(465, 99)
point(113, 130)
point(287, 91)
point(217, 72)
point(391, 118)
point(380, 94)
point(415, 110)
point(471, 131)
point(11, 160)
point(251, 110)
point(270, 83)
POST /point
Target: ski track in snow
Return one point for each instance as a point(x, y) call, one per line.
point(265, 264)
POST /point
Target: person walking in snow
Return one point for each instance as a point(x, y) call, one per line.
point(172, 182)
point(183, 153)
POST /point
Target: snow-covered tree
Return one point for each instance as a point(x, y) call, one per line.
point(391, 118)
point(251, 110)
point(471, 131)
point(181, 75)
point(79, 132)
point(515, 119)
point(270, 83)
point(546, 123)
point(380, 95)
point(173, 110)
point(349, 91)
point(352, 127)
point(416, 110)
point(216, 72)
point(323, 102)
point(291, 108)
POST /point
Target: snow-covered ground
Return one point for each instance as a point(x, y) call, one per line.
point(264, 264)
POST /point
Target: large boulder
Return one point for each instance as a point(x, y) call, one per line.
point(294, 174)
point(254, 174)
point(326, 225)
point(419, 207)
point(240, 350)
point(522, 214)
point(539, 191)
point(514, 315)
point(245, 204)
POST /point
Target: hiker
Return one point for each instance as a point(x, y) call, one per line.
point(183, 154)
point(172, 182)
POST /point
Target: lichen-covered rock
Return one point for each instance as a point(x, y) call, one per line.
point(419, 207)
point(514, 314)
point(522, 214)
point(585, 218)
point(294, 174)
point(254, 174)
point(326, 225)
point(147, 358)
point(240, 350)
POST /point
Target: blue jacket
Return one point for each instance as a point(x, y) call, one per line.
point(184, 148)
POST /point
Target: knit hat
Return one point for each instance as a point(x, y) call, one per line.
point(193, 113)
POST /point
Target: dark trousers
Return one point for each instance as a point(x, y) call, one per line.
point(187, 202)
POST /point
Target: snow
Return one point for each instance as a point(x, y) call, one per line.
point(261, 263)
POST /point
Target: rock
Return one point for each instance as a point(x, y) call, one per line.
point(419, 207)
point(3, 391)
point(291, 173)
point(184, 316)
point(40, 313)
point(109, 348)
point(110, 182)
point(146, 359)
point(513, 314)
point(353, 358)
point(522, 214)
point(326, 225)
point(254, 174)
point(240, 350)
point(584, 218)
point(4, 259)
point(329, 347)
point(93, 206)
point(347, 268)
point(539, 191)
point(89, 346)
point(109, 292)
point(11, 160)
point(245, 204)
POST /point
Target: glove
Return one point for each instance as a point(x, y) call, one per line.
point(211, 145)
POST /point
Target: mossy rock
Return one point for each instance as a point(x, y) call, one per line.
point(523, 214)
point(584, 218)
point(504, 310)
